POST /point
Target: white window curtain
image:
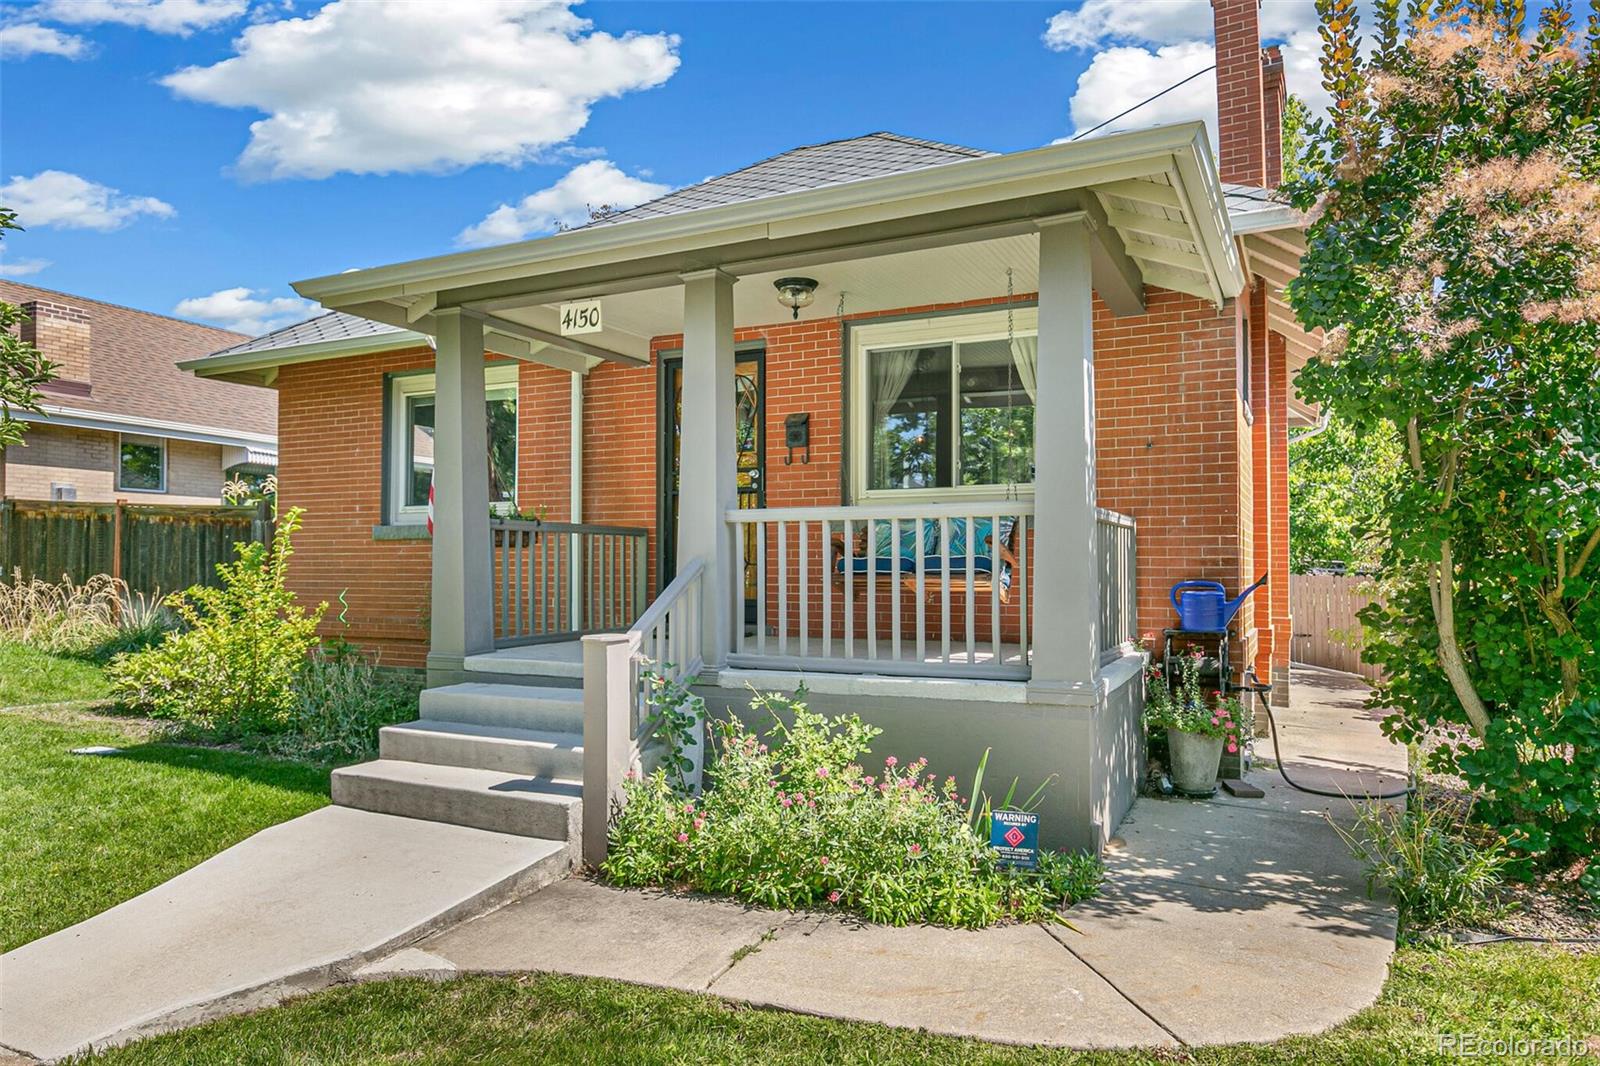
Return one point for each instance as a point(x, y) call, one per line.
point(1025, 356)
point(891, 370)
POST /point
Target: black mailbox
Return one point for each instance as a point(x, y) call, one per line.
point(797, 434)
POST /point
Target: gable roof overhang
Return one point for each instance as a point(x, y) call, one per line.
point(1152, 195)
point(1273, 251)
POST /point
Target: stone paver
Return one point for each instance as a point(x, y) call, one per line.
point(280, 912)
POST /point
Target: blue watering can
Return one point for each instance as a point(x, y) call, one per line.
point(1204, 605)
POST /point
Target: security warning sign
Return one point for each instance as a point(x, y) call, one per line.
point(1014, 835)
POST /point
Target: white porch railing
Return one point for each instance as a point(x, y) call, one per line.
point(666, 639)
point(889, 589)
point(556, 580)
point(1117, 555)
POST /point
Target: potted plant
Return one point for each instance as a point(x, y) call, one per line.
point(1198, 728)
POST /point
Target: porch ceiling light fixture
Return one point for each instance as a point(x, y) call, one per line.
point(795, 293)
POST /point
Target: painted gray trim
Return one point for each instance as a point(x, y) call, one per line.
point(412, 531)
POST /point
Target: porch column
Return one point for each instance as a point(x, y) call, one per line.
point(462, 614)
point(707, 487)
point(1066, 581)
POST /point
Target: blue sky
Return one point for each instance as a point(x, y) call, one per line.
point(386, 132)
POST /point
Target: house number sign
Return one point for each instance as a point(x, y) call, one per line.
point(580, 317)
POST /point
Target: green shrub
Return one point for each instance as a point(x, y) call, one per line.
point(797, 823)
point(232, 670)
point(1439, 874)
point(341, 701)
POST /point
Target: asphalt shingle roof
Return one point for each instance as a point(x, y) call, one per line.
point(811, 167)
point(333, 326)
point(133, 367)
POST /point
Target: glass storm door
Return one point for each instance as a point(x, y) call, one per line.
point(749, 387)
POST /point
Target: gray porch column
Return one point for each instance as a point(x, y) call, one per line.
point(707, 487)
point(1066, 599)
point(462, 611)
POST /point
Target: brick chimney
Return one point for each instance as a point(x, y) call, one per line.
point(61, 332)
point(1242, 154)
point(1275, 97)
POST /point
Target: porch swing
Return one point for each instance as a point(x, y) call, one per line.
point(944, 565)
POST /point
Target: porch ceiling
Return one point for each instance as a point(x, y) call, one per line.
point(941, 234)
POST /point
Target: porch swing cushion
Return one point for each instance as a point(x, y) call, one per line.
point(884, 561)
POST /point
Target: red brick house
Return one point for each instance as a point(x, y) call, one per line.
point(120, 420)
point(929, 429)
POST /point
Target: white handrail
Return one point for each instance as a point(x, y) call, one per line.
point(882, 512)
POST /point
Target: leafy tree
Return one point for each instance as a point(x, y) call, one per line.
point(1455, 263)
point(1340, 485)
point(22, 368)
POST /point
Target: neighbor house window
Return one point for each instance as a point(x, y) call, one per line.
point(141, 463)
point(944, 405)
point(411, 429)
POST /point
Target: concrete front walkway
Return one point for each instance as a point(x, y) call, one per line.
point(293, 908)
point(1221, 921)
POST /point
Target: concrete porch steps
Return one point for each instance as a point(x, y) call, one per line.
point(493, 800)
point(535, 752)
point(536, 707)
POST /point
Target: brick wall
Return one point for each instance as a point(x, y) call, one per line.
point(1174, 451)
point(61, 332)
point(87, 460)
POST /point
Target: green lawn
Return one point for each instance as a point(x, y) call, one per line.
point(31, 676)
point(79, 833)
point(1502, 991)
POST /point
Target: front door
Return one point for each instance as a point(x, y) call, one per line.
point(749, 392)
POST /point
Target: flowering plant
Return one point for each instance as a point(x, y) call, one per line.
point(793, 819)
point(1190, 709)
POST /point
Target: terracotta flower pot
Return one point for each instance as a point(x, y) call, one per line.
point(1195, 760)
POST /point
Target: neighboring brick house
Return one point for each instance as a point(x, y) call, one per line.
point(121, 421)
point(817, 480)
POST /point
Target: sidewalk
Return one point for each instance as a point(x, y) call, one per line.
point(1222, 921)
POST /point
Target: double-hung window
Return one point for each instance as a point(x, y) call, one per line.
point(944, 406)
point(410, 445)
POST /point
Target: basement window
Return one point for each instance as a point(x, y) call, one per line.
point(943, 407)
point(411, 421)
point(141, 463)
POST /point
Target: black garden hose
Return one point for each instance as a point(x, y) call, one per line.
point(1258, 688)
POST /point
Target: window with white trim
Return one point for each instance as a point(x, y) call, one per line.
point(410, 445)
point(141, 463)
point(944, 406)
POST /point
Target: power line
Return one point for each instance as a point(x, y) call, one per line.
point(1141, 103)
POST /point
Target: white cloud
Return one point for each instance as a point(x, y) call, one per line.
point(373, 88)
point(245, 310)
point(181, 17)
point(67, 201)
point(1157, 22)
point(566, 203)
point(21, 268)
point(1146, 47)
point(1118, 78)
point(22, 39)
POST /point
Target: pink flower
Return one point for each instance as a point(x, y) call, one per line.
point(914, 850)
point(787, 802)
point(762, 749)
point(891, 761)
point(823, 860)
point(699, 824)
point(688, 808)
point(822, 771)
point(632, 775)
point(1215, 720)
point(812, 804)
point(1233, 747)
point(883, 786)
point(683, 838)
point(833, 897)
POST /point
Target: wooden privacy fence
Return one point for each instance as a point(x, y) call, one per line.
point(1326, 629)
point(155, 548)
